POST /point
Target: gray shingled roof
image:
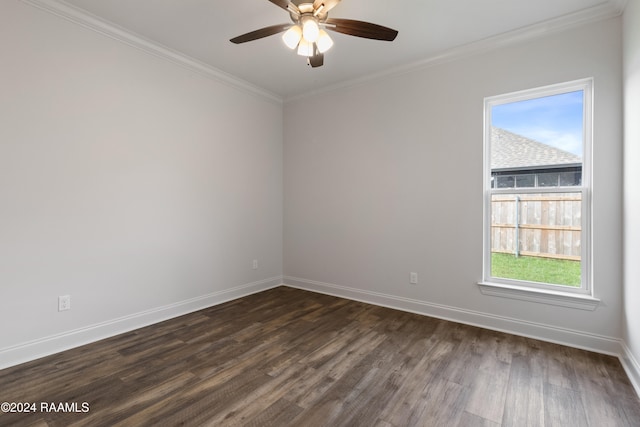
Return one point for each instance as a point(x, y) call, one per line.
point(513, 151)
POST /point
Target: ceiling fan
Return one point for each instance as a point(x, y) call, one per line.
point(307, 33)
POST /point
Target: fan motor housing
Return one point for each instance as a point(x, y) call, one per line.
point(306, 8)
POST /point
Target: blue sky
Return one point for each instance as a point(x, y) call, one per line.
point(554, 120)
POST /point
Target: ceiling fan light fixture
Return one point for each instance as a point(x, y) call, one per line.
point(305, 48)
point(292, 36)
point(307, 35)
point(324, 42)
point(310, 29)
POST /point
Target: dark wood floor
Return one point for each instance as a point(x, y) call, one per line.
point(287, 357)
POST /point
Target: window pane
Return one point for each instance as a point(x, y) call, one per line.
point(528, 180)
point(536, 142)
point(537, 237)
point(549, 179)
point(506, 181)
point(539, 136)
point(570, 178)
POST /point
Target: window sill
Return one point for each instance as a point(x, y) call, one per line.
point(542, 296)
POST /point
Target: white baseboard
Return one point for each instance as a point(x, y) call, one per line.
point(592, 342)
point(631, 366)
point(568, 337)
point(36, 349)
point(46, 346)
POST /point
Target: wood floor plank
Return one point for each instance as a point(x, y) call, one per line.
point(560, 368)
point(287, 357)
point(488, 393)
point(470, 420)
point(280, 413)
point(262, 398)
point(441, 402)
point(423, 373)
point(343, 391)
point(366, 411)
point(524, 404)
point(607, 410)
point(563, 407)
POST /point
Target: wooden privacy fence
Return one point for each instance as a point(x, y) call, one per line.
point(541, 225)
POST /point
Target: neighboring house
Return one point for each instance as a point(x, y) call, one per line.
point(517, 161)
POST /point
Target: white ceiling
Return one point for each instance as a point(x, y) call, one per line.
point(201, 29)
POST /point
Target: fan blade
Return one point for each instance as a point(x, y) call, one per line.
point(281, 3)
point(262, 32)
point(366, 30)
point(286, 5)
point(316, 60)
point(328, 5)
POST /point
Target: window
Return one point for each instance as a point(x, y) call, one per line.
point(537, 189)
point(537, 178)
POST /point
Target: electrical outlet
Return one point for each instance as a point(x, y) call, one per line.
point(254, 265)
point(413, 278)
point(64, 302)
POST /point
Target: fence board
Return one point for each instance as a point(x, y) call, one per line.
point(549, 225)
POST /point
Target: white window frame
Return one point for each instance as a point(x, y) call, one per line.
point(582, 297)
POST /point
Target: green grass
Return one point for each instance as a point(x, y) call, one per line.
point(534, 269)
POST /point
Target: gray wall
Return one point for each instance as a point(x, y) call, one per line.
point(134, 185)
point(632, 185)
point(368, 177)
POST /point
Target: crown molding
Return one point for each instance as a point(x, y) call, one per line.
point(620, 5)
point(606, 10)
point(85, 19)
